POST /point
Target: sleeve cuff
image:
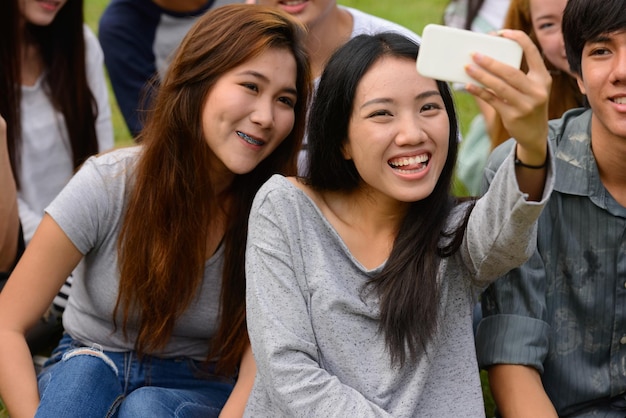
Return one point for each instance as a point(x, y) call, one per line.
point(512, 339)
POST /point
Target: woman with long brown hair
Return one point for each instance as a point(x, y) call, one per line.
point(157, 327)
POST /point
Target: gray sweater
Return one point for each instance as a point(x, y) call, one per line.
point(315, 337)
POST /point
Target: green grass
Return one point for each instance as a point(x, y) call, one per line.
point(409, 13)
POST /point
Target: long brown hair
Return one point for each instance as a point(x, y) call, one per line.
point(162, 243)
point(564, 95)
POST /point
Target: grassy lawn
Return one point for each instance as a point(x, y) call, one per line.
point(409, 13)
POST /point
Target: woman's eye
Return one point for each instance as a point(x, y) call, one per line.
point(288, 101)
point(430, 107)
point(547, 25)
point(379, 113)
point(251, 86)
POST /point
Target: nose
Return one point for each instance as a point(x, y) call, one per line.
point(618, 74)
point(410, 132)
point(263, 113)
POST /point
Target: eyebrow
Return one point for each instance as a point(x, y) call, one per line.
point(421, 96)
point(257, 74)
point(548, 15)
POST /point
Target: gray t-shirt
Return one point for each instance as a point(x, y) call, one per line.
point(90, 211)
point(315, 335)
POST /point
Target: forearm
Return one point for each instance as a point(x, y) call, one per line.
point(531, 169)
point(18, 383)
point(36, 279)
point(519, 393)
point(236, 403)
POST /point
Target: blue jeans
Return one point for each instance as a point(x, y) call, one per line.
point(79, 381)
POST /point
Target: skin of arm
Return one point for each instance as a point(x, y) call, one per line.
point(522, 102)
point(9, 220)
point(236, 403)
point(519, 393)
point(47, 262)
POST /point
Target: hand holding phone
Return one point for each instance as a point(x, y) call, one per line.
point(445, 51)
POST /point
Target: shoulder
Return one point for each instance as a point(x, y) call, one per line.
point(126, 10)
point(93, 50)
point(278, 189)
point(98, 186)
point(286, 198)
point(90, 37)
point(128, 16)
point(364, 23)
point(573, 123)
point(113, 163)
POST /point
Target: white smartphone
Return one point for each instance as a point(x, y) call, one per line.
point(445, 51)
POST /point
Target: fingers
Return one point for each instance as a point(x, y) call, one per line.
point(531, 53)
point(521, 99)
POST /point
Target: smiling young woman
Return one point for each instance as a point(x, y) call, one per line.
point(157, 324)
point(362, 276)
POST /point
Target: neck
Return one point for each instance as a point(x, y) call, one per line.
point(326, 35)
point(367, 226)
point(371, 214)
point(31, 64)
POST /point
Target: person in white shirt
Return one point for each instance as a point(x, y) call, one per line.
point(63, 114)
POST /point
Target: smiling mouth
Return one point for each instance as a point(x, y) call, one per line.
point(410, 164)
point(619, 100)
point(249, 139)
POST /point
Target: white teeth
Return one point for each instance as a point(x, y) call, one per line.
point(620, 100)
point(249, 139)
point(418, 159)
point(292, 3)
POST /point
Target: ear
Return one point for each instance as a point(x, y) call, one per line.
point(581, 84)
point(346, 151)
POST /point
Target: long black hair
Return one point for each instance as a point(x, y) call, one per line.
point(407, 286)
point(10, 73)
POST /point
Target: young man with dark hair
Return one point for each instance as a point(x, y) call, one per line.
point(553, 337)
